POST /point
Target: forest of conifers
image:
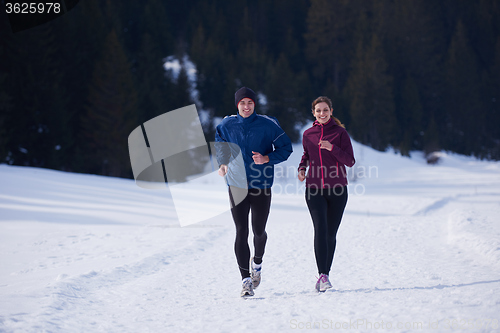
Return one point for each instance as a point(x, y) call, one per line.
point(407, 74)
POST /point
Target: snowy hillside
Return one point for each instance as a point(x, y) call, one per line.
point(418, 250)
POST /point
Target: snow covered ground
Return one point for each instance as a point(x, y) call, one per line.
point(418, 250)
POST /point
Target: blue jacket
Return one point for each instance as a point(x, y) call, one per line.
point(258, 133)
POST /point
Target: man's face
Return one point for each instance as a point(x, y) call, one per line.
point(245, 107)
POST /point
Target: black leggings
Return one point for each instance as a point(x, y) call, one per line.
point(259, 202)
point(326, 207)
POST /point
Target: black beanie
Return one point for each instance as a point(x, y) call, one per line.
point(244, 92)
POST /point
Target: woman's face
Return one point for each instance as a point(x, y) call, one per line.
point(322, 112)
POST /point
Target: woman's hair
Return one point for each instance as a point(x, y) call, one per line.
point(329, 103)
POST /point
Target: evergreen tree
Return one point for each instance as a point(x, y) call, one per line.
point(431, 137)
point(492, 114)
point(287, 95)
point(372, 103)
point(462, 95)
point(481, 19)
point(212, 79)
point(6, 107)
point(155, 23)
point(111, 112)
point(81, 34)
point(198, 45)
point(155, 90)
point(410, 117)
point(423, 67)
point(285, 28)
point(356, 90)
point(331, 27)
point(6, 101)
point(36, 105)
point(414, 48)
point(252, 63)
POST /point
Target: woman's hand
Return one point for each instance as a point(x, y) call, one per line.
point(222, 170)
point(302, 175)
point(324, 144)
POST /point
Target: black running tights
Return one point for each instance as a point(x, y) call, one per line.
point(258, 201)
point(326, 208)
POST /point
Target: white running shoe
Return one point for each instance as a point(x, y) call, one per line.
point(255, 270)
point(247, 287)
point(323, 283)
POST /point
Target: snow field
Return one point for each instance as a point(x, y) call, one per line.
point(417, 250)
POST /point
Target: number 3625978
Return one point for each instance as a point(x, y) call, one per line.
point(33, 8)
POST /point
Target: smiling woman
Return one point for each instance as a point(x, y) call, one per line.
point(327, 151)
point(322, 109)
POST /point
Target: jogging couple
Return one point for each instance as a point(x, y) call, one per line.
point(262, 144)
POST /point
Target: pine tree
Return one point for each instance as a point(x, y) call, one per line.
point(6, 107)
point(111, 112)
point(414, 46)
point(431, 137)
point(6, 101)
point(356, 91)
point(483, 24)
point(33, 72)
point(81, 36)
point(287, 95)
point(434, 72)
point(198, 46)
point(252, 63)
point(493, 106)
point(155, 22)
point(212, 78)
point(331, 26)
point(462, 94)
point(155, 91)
point(411, 116)
point(370, 91)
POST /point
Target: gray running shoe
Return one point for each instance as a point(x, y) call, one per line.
point(247, 287)
point(323, 283)
point(255, 271)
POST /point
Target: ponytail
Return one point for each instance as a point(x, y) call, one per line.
point(338, 121)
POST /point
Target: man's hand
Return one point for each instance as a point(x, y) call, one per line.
point(259, 159)
point(222, 170)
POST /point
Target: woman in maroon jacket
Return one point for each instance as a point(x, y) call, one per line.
point(327, 150)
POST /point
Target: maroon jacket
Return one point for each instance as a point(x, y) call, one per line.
point(326, 168)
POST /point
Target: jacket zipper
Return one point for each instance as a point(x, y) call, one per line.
point(321, 159)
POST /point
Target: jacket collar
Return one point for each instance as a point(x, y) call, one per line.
point(248, 119)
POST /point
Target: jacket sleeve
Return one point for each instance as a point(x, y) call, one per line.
point(344, 154)
point(304, 162)
point(222, 150)
point(282, 148)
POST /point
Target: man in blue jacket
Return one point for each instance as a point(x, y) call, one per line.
point(262, 143)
